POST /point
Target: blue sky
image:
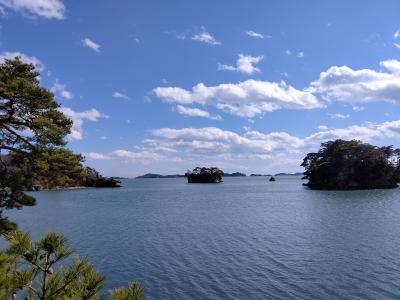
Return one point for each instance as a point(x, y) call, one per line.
point(164, 86)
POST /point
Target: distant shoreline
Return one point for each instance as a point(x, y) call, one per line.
point(235, 174)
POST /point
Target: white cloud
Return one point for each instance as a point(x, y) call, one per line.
point(358, 108)
point(96, 156)
point(300, 54)
point(138, 156)
point(25, 58)
point(338, 116)
point(252, 151)
point(396, 35)
point(257, 35)
point(205, 37)
point(248, 99)
point(120, 95)
point(360, 86)
point(50, 9)
point(91, 44)
point(257, 144)
point(195, 112)
point(244, 64)
point(288, 52)
point(397, 45)
point(79, 118)
point(61, 89)
point(323, 127)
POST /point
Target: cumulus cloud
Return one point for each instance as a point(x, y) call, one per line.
point(358, 108)
point(244, 64)
point(138, 156)
point(120, 95)
point(250, 151)
point(196, 112)
point(61, 90)
point(96, 156)
point(25, 58)
point(247, 99)
point(86, 42)
point(257, 35)
point(396, 37)
point(49, 9)
point(300, 54)
point(338, 116)
point(258, 144)
point(79, 118)
point(205, 37)
point(360, 86)
point(323, 127)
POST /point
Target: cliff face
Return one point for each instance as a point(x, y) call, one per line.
point(204, 175)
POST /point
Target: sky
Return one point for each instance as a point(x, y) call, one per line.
point(251, 86)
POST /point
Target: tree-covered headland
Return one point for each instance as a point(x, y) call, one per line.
point(32, 151)
point(348, 165)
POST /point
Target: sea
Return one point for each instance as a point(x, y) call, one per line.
point(244, 238)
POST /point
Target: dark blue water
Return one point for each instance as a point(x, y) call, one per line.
point(246, 238)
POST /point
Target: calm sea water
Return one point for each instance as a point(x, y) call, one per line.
point(245, 238)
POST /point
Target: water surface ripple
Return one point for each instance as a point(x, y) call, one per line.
point(245, 238)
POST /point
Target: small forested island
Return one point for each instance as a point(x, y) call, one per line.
point(351, 165)
point(204, 175)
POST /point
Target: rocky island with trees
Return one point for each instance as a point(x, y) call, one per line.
point(204, 175)
point(351, 165)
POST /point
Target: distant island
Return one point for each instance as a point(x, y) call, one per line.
point(236, 174)
point(260, 175)
point(151, 175)
point(352, 165)
point(290, 174)
point(204, 175)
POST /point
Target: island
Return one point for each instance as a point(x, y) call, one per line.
point(352, 165)
point(204, 175)
point(261, 175)
point(151, 175)
point(236, 174)
point(94, 179)
point(289, 174)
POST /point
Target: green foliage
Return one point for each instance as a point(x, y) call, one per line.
point(352, 164)
point(31, 270)
point(52, 167)
point(31, 130)
point(29, 115)
point(133, 292)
